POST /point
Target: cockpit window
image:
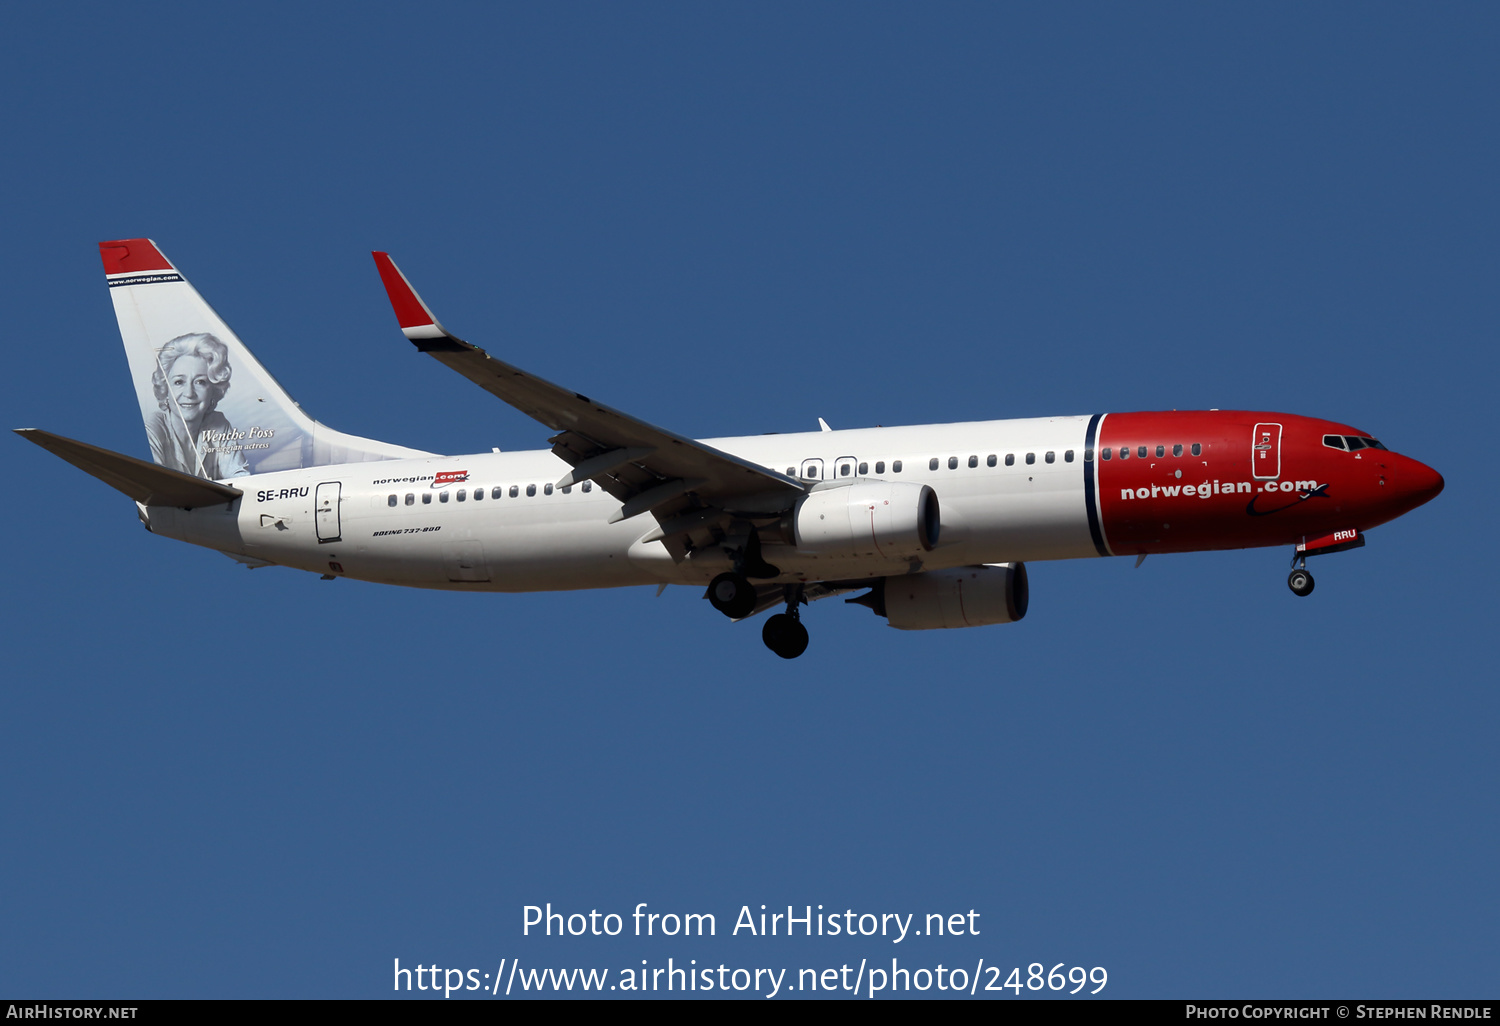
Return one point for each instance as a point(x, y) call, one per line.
point(1351, 443)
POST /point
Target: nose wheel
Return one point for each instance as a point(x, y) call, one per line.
point(1301, 582)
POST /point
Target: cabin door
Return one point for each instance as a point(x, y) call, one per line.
point(327, 502)
point(1265, 452)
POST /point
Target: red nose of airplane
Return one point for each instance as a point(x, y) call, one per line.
point(1419, 483)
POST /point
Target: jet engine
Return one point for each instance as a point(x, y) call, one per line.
point(879, 519)
point(966, 596)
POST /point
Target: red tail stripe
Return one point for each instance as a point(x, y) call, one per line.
point(127, 256)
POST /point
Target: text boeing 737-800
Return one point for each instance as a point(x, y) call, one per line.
point(937, 521)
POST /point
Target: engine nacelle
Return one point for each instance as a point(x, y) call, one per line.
point(966, 596)
point(879, 519)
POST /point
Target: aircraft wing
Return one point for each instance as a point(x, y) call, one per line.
point(684, 483)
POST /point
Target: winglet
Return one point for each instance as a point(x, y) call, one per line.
point(416, 320)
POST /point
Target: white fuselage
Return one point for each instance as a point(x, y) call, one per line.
point(418, 522)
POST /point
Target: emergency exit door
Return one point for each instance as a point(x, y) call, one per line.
point(327, 502)
point(1265, 452)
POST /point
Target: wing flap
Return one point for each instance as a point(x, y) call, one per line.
point(146, 483)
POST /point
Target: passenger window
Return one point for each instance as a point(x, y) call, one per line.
point(588, 486)
point(932, 463)
point(1106, 453)
point(1030, 458)
point(1088, 455)
point(496, 492)
point(896, 467)
point(880, 466)
point(530, 490)
point(1124, 452)
point(547, 489)
point(390, 500)
point(1161, 450)
point(1051, 457)
point(843, 470)
point(567, 489)
point(1010, 459)
point(410, 498)
point(443, 495)
point(1176, 450)
point(478, 494)
point(952, 462)
point(1141, 452)
point(791, 471)
point(515, 490)
point(973, 462)
point(427, 498)
point(1197, 449)
point(864, 468)
point(462, 494)
point(990, 460)
point(1068, 456)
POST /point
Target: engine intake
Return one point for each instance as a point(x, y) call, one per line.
point(884, 520)
point(966, 596)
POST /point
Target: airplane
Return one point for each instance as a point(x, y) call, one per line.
point(934, 523)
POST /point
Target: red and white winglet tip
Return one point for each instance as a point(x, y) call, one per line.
point(132, 256)
point(416, 320)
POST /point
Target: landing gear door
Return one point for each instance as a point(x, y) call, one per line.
point(327, 501)
point(1265, 452)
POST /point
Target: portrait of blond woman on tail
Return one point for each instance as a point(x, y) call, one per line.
point(188, 433)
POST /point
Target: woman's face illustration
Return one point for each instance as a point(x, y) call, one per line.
point(188, 381)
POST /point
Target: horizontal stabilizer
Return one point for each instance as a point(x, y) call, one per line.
point(144, 482)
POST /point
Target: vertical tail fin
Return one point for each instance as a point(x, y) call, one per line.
point(210, 408)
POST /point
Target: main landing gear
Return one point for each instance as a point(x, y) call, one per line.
point(784, 633)
point(733, 595)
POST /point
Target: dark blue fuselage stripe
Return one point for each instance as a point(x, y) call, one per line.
point(1088, 487)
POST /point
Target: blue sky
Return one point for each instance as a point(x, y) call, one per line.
point(734, 219)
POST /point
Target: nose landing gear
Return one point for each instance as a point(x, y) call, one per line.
point(1301, 582)
point(784, 633)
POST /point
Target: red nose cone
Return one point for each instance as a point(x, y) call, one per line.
point(1420, 482)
